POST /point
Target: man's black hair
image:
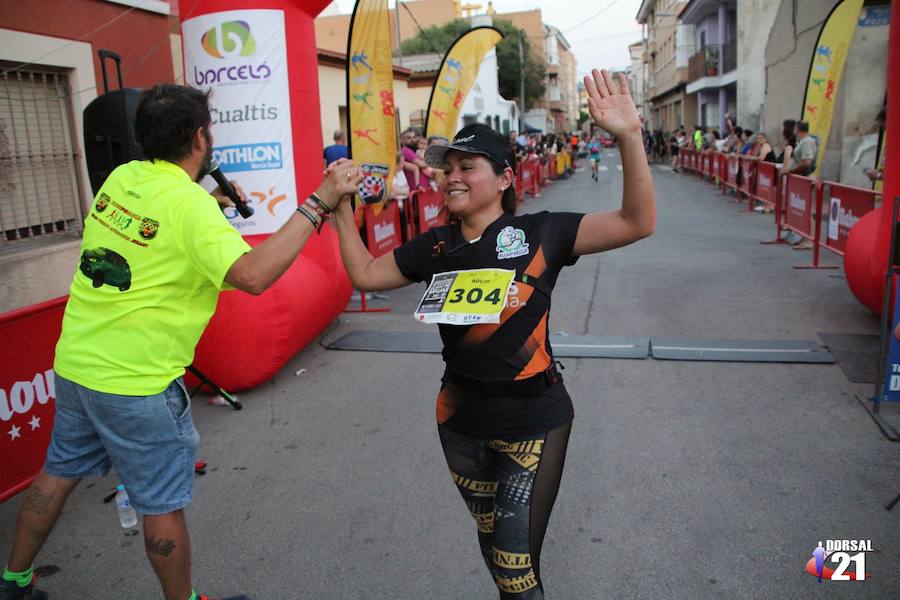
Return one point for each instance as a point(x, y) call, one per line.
point(168, 116)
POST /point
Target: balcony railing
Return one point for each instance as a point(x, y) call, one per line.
point(712, 61)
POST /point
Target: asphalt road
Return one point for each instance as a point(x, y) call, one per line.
point(684, 479)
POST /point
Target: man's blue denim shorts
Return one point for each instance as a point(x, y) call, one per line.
point(150, 440)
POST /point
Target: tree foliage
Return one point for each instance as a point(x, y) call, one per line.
point(438, 39)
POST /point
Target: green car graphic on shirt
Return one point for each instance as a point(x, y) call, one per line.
point(102, 265)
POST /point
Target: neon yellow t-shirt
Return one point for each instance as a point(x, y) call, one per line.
point(154, 256)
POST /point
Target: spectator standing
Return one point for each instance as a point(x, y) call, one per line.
point(594, 152)
point(764, 149)
point(677, 142)
point(748, 143)
point(338, 149)
point(803, 160)
point(409, 144)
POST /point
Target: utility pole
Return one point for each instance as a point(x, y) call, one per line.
point(521, 85)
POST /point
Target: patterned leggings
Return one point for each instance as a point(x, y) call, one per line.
point(509, 487)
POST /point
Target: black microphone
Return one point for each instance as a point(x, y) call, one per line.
point(244, 209)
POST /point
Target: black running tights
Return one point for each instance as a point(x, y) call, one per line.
point(509, 487)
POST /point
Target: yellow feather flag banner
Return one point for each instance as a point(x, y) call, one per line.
point(825, 71)
point(372, 138)
point(456, 78)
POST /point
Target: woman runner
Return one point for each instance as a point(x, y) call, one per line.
point(594, 151)
point(503, 413)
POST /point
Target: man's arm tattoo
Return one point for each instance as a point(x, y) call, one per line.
point(38, 501)
point(161, 546)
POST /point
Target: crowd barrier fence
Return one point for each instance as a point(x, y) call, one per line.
point(822, 212)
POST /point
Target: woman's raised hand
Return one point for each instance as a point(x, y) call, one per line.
point(341, 177)
point(611, 109)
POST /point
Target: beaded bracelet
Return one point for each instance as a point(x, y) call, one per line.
point(317, 225)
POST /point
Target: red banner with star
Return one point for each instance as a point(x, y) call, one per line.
point(27, 391)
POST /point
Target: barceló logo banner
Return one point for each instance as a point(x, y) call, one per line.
point(229, 39)
point(241, 56)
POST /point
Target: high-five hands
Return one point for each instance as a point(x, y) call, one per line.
point(612, 110)
point(341, 177)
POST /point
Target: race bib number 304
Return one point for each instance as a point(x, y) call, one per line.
point(465, 297)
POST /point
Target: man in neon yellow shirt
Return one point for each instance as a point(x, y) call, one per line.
point(156, 252)
point(698, 137)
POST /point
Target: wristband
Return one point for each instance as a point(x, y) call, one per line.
point(317, 209)
point(318, 201)
point(316, 224)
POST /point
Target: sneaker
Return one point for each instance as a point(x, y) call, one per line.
point(9, 590)
point(759, 208)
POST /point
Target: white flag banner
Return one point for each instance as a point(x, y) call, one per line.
point(241, 56)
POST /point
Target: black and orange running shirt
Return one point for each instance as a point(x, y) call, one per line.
point(537, 246)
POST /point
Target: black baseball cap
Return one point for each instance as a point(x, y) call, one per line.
point(475, 138)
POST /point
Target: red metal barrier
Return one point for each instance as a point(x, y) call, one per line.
point(409, 217)
point(688, 161)
point(429, 206)
point(519, 183)
point(528, 170)
point(747, 183)
point(801, 195)
point(803, 213)
point(766, 188)
point(846, 205)
point(716, 168)
point(27, 391)
point(383, 229)
point(732, 167)
point(525, 177)
point(705, 165)
point(541, 173)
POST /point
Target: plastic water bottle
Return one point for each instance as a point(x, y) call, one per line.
point(127, 515)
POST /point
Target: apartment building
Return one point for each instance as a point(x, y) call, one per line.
point(668, 46)
point(713, 68)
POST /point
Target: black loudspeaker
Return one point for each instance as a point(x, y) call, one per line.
point(109, 126)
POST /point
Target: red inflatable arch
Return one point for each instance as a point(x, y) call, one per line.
point(866, 256)
point(251, 337)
